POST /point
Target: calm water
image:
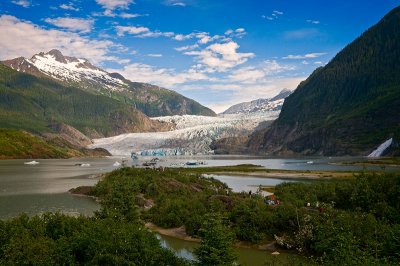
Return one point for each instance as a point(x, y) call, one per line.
point(246, 256)
point(38, 188)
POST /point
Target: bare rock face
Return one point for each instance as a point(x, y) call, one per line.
point(71, 134)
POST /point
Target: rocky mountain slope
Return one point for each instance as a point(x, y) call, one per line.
point(260, 105)
point(350, 106)
point(80, 73)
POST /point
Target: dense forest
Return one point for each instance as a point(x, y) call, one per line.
point(347, 222)
point(350, 106)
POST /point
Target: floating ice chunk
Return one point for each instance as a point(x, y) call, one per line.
point(32, 163)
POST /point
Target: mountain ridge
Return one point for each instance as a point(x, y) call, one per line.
point(260, 105)
point(150, 99)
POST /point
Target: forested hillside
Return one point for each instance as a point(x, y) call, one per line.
point(349, 106)
point(31, 103)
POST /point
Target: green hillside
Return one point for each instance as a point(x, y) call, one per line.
point(19, 144)
point(31, 103)
point(349, 106)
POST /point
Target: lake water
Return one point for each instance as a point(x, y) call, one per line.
point(44, 187)
point(34, 189)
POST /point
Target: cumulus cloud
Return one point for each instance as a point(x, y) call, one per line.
point(18, 43)
point(305, 56)
point(141, 32)
point(220, 57)
point(122, 30)
point(23, 3)
point(115, 4)
point(246, 75)
point(163, 77)
point(72, 24)
point(69, 6)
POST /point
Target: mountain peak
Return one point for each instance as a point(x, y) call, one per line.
point(260, 105)
point(54, 53)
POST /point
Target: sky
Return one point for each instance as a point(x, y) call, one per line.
point(217, 52)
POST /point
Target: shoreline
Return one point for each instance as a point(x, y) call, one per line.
point(180, 233)
point(290, 174)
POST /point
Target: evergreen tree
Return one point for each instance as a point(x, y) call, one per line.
point(216, 244)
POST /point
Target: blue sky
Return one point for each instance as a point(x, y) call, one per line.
point(216, 52)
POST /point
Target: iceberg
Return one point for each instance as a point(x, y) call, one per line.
point(32, 163)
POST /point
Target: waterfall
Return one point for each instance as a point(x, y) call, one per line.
point(381, 149)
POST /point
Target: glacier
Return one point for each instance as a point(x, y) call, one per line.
point(193, 135)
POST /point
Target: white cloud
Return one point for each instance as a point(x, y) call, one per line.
point(305, 56)
point(72, 24)
point(312, 21)
point(121, 30)
point(69, 6)
point(175, 3)
point(228, 32)
point(220, 56)
point(179, 4)
point(246, 75)
point(274, 15)
point(141, 32)
point(134, 15)
point(154, 55)
point(23, 3)
point(187, 48)
point(115, 4)
point(16, 42)
point(159, 76)
point(238, 33)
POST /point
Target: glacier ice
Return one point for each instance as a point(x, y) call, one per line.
point(193, 135)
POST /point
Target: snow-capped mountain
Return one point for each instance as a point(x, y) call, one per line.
point(193, 134)
point(260, 105)
point(65, 68)
point(80, 73)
